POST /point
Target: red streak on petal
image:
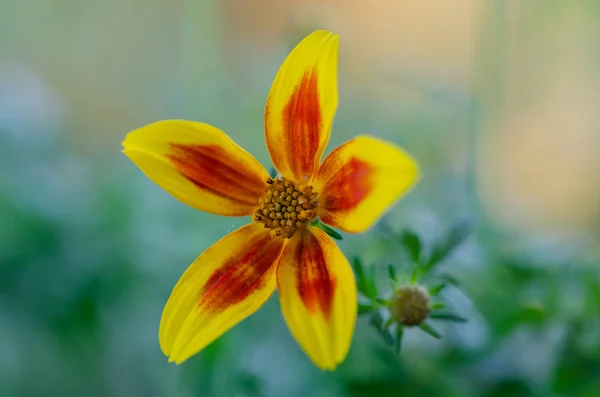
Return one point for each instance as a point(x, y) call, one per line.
point(315, 285)
point(302, 123)
point(348, 186)
point(211, 168)
point(241, 274)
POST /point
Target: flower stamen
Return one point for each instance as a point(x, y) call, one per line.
point(286, 207)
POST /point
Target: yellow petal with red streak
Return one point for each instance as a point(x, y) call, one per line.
point(301, 106)
point(199, 165)
point(359, 181)
point(318, 296)
point(227, 283)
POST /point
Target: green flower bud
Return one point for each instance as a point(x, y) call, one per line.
point(410, 305)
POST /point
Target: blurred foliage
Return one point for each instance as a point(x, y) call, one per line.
point(418, 300)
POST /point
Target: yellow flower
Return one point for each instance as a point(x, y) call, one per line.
point(201, 166)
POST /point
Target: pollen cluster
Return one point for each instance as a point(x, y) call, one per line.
point(286, 207)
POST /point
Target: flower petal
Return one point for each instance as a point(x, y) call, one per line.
point(318, 296)
point(301, 106)
point(199, 165)
point(359, 181)
point(224, 285)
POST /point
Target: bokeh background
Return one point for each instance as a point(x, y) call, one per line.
point(498, 100)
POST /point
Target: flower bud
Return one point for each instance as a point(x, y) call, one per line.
point(410, 305)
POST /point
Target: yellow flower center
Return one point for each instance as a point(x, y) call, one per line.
point(286, 207)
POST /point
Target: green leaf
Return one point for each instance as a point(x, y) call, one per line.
point(443, 248)
point(416, 274)
point(392, 275)
point(330, 231)
point(436, 289)
point(399, 335)
point(364, 284)
point(364, 309)
point(448, 317)
point(388, 322)
point(438, 306)
point(372, 276)
point(412, 243)
point(359, 269)
point(377, 322)
point(449, 279)
point(430, 330)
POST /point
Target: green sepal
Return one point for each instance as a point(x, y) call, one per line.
point(392, 275)
point(365, 285)
point(415, 275)
point(455, 236)
point(411, 241)
point(330, 231)
point(377, 322)
point(448, 317)
point(449, 279)
point(398, 341)
point(427, 328)
point(436, 289)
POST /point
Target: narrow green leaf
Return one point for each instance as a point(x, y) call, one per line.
point(438, 306)
point(330, 231)
point(372, 275)
point(370, 290)
point(392, 275)
point(371, 286)
point(386, 336)
point(412, 243)
point(399, 335)
point(359, 271)
point(456, 235)
point(449, 279)
point(430, 330)
point(388, 322)
point(448, 317)
point(377, 322)
point(364, 284)
point(436, 289)
point(358, 267)
point(381, 301)
point(366, 308)
point(416, 274)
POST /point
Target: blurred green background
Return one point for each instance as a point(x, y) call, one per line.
point(498, 100)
